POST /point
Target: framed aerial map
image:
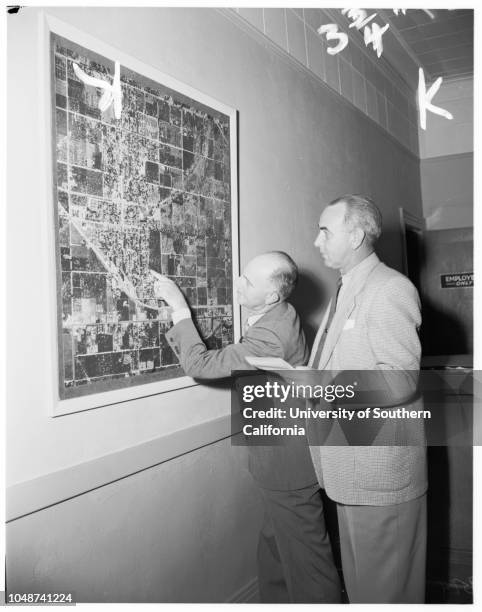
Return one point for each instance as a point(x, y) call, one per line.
point(143, 177)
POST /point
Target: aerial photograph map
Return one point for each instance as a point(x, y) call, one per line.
point(149, 188)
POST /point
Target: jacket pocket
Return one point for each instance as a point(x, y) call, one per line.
point(383, 468)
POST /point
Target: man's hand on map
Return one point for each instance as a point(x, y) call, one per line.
point(167, 290)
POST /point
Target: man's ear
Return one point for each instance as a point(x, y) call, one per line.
point(272, 298)
point(357, 237)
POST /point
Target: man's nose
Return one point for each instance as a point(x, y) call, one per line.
point(318, 240)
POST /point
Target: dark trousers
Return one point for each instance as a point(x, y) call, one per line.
point(295, 560)
point(383, 550)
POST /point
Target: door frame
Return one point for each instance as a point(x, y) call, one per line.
point(409, 221)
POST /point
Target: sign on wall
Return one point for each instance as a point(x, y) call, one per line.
point(143, 178)
point(456, 280)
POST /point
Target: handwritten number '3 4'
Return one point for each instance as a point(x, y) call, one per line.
point(372, 34)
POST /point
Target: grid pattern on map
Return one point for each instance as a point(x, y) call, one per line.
point(149, 190)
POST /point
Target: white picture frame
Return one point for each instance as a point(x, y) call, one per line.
point(49, 24)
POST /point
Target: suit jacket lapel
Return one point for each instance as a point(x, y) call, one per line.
point(342, 314)
point(336, 327)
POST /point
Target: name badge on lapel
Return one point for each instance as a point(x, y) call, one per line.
point(350, 324)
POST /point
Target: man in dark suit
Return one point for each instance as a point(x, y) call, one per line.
point(295, 562)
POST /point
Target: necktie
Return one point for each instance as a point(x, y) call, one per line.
point(331, 314)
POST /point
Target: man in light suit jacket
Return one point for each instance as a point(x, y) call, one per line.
point(295, 562)
point(380, 491)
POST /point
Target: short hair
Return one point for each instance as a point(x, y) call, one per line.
point(362, 212)
point(285, 274)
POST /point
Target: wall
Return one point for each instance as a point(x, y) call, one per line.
point(356, 73)
point(167, 534)
point(454, 137)
point(300, 144)
point(447, 159)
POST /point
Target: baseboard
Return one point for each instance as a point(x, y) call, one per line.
point(246, 594)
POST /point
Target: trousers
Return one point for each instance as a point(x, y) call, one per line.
point(383, 551)
point(295, 559)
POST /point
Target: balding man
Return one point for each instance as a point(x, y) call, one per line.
point(380, 490)
point(295, 562)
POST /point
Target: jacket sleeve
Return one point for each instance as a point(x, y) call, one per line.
point(393, 323)
point(199, 362)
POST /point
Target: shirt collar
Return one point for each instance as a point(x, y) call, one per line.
point(254, 318)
